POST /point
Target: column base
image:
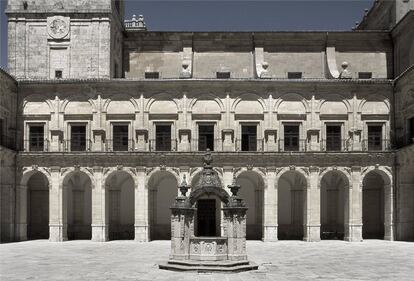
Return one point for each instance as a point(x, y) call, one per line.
point(270, 234)
point(141, 233)
point(57, 233)
point(389, 232)
point(21, 232)
point(353, 233)
point(312, 233)
point(99, 233)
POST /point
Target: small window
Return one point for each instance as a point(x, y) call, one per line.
point(223, 75)
point(152, 75)
point(58, 74)
point(364, 75)
point(294, 75)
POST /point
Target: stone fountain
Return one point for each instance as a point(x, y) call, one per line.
point(196, 243)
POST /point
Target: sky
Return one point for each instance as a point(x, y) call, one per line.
point(232, 15)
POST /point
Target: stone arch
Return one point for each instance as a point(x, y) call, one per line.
point(37, 104)
point(77, 187)
point(252, 191)
point(195, 176)
point(162, 190)
point(291, 187)
point(375, 104)
point(120, 104)
point(292, 99)
point(28, 172)
point(78, 104)
point(249, 104)
point(120, 203)
point(334, 193)
point(219, 106)
point(112, 170)
point(162, 103)
point(377, 203)
point(33, 213)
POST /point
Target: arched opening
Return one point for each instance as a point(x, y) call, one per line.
point(373, 205)
point(334, 192)
point(163, 189)
point(120, 206)
point(252, 187)
point(37, 207)
point(78, 205)
point(291, 206)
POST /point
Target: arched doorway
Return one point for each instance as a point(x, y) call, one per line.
point(78, 205)
point(37, 207)
point(252, 187)
point(163, 189)
point(373, 211)
point(334, 194)
point(120, 205)
point(291, 205)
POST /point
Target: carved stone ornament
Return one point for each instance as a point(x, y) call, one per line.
point(58, 27)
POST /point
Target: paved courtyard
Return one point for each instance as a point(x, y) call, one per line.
point(283, 260)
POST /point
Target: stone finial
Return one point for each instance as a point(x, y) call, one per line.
point(136, 23)
point(345, 74)
point(234, 187)
point(141, 22)
point(264, 71)
point(184, 186)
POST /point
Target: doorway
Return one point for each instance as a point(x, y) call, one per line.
point(206, 217)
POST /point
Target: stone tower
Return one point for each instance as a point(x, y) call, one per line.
point(71, 39)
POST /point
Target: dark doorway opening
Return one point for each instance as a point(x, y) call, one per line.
point(78, 138)
point(36, 142)
point(120, 135)
point(333, 138)
point(205, 137)
point(374, 137)
point(163, 138)
point(249, 138)
point(206, 217)
point(291, 137)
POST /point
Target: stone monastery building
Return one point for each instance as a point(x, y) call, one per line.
point(101, 120)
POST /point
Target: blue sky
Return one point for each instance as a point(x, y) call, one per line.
point(232, 15)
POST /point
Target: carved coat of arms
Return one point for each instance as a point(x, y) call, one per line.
point(58, 27)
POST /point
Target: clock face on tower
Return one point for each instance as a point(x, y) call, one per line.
point(58, 27)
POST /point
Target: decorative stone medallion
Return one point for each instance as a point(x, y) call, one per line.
point(58, 27)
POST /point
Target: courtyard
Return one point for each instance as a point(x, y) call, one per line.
point(283, 260)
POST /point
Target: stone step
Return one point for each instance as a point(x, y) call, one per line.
point(208, 263)
point(202, 268)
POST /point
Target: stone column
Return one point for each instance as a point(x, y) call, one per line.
point(57, 223)
point(21, 215)
point(389, 211)
point(235, 231)
point(312, 208)
point(270, 207)
point(353, 217)
point(99, 207)
point(141, 207)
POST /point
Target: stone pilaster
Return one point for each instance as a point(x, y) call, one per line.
point(21, 215)
point(228, 140)
point(271, 140)
point(389, 211)
point(99, 208)
point(312, 207)
point(184, 137)
point(270, 206)
point(57, 223)
point(353, 217)
point(141, 207)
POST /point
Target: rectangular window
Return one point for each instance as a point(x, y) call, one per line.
point(374, 137)
point(58, 74)
point(78, 138)
point(333, 138)
point(291, 137)
point(249, 138)
point(364, 75)
point(163, 138)
point(223, 75)
point(152, 75)
point(205, 137)
point(294, 75)
point(36, 138)
point(411, 130)
point(120, 140)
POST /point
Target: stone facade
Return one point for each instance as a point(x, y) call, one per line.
point(309, 123)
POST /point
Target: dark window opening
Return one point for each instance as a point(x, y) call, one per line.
point(411, 128)
point(291, 137)
point(374, 137)
point(78, 138)
point(36, 138)
point(333, 138)
point(120, 138)
point(58, 74)
point(249, 138)
point(206, 218)
point(163, 138)
point(364, 75)
point(294, 75)
point(205, 137)
point(223, 75)
point(152, 75)
point(2, 133)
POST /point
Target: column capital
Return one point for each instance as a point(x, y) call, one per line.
point(141, 169)
point(313, 169)
point(356, 169)
point(55, 169)
point(97, 169)
point(228, 169)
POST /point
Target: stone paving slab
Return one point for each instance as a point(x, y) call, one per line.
point(283, 260)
